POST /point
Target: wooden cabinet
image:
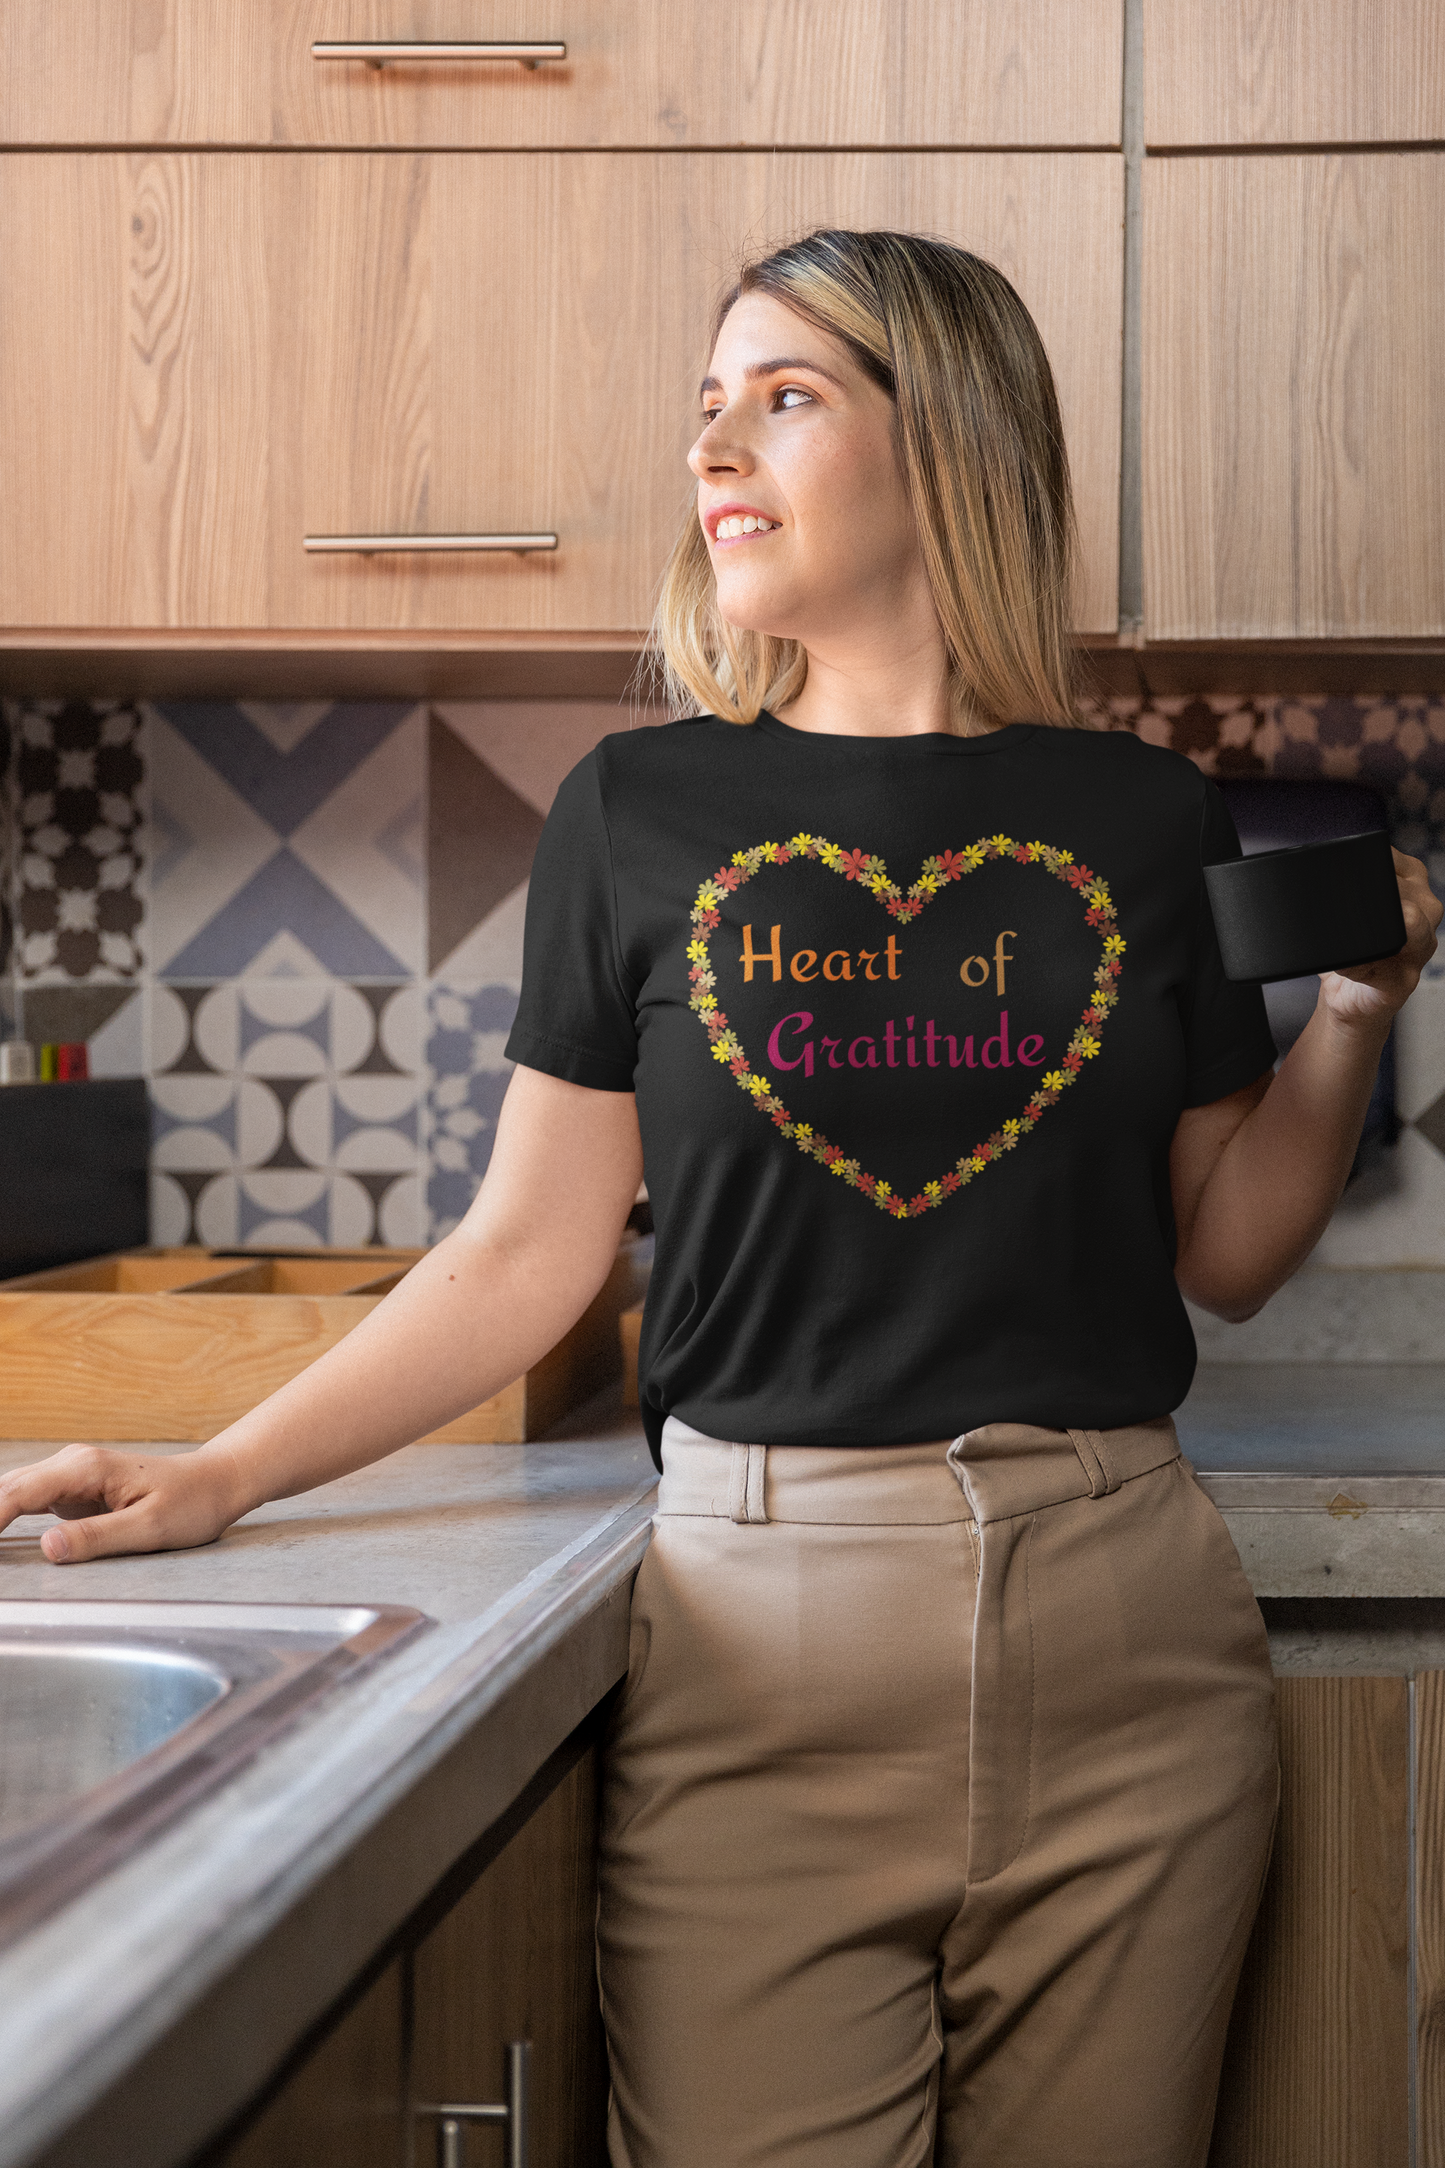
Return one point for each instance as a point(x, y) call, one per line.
point(671, 73)
point(1293, 71)
point(1294, 378)
point(512, 1959)
point(203, 358)
point(346, 2106)
point(1317, 2073)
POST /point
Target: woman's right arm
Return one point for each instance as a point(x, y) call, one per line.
point(469, 1317)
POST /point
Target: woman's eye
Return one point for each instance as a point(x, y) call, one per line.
point(710, 414)
point(792, 392)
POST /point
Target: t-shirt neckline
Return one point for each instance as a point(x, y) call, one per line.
point(917, 745)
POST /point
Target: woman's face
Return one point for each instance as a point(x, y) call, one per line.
point(807, 516)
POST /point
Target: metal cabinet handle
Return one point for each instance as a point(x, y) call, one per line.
point(377, 52)
point(371, 545)
point(513, 2113)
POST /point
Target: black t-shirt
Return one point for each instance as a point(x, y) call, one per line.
point(910, 1022)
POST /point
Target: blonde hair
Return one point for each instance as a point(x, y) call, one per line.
point(982, 451)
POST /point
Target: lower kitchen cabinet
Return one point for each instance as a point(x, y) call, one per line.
point(1317, 2071)
point(511, 1959)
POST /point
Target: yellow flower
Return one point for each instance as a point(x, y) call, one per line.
point(768, 849)
point(800, 841)
point(740, 858)
point(1115, 945)
point(1065, 858)
point(925, 885)
point(757, 1085)
point(974, 853)
point(697, 952)
point(978, 1164)
point(885, 1189)
point(1086, 1046)
point(805, 1129)
point(1056, 1080)
point(829, 853)
point(1041, 850)
point(1002, 843)
point(932, 1189)
point(1011, 1129)
point(841, 1166)
point(721, 1051)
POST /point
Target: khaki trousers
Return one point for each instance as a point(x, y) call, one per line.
point(936, 1808)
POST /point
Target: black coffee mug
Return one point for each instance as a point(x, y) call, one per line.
point(1317, 907)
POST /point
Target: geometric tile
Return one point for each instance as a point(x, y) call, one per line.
point(78, 780)
point(1431, 1124)
point(211, 843)
point(491, 954)
point(481, 837)
point(284, 896)
point(467, 1078)
point(298, 1099)
point(284, 786)
point(366, 842)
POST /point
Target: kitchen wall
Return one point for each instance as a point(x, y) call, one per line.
point(303, 924)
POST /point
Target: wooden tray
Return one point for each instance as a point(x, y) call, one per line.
point(169, 1346)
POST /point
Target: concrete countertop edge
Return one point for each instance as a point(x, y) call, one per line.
point(138, 1950)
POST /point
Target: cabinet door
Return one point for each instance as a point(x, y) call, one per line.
point(1294, 71)
point(671, 73)
point(344, 2108)
point(1430, 1919)
point(516, 1960)
point(204, 359)
point(1294, 378)
point(1317, 2071)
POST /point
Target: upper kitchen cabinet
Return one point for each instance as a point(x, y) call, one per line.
point(1293, 71)
point(205, 359)
point(1294, 379)
point(662, 73)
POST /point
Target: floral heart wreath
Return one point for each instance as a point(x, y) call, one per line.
point(871, 873)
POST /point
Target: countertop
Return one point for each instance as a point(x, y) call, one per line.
point(188, 1974)
point(184, 1977)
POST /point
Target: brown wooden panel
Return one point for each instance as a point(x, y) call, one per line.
point(670, 73)
point(1294, 71)
point(344, 2108)
point(204, 359)
point(1317, 2068)
point(1294, 375)
point(514, 1960)
point(1430, 1918)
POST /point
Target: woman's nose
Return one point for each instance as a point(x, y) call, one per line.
point(719, 450)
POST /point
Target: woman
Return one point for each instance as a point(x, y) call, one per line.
point(942, 1787)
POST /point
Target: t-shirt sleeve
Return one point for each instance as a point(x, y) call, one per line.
point(577, 1015)
point(1227, 1038)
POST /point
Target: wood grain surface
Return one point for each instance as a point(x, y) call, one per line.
point(164, 1366)
point(667, 73)
point(1317, 2067)
point(515, 1960)
point(1430, 1919)
point(345, 2107)
point(1294, 71)
point(203, 359)
point(1294, 379)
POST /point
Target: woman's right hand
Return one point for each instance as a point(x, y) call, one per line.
point(109, 1502)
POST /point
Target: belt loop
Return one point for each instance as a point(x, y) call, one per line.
point(1089, 1445)
point(745, 1483)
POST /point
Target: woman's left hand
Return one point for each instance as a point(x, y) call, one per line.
point(1371, 993)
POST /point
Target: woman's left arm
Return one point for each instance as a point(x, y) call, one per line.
point(1256, 1176)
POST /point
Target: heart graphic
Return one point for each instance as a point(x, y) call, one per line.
point(871, 873)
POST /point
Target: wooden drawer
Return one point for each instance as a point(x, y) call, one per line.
point(671, 73)
point(203, 359)
point(1295, 71)
point(173, 1345)
point(1294, 329)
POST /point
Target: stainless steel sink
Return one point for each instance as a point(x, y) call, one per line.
point(115, 1717)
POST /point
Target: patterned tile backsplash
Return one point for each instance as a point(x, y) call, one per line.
point(303, 923)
